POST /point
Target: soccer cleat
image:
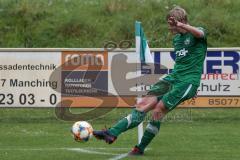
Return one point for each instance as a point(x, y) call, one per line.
point(104, 135)
point(135, 152)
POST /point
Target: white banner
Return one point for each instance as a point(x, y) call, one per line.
point(25, 79)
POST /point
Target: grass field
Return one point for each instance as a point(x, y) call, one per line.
point(186, 134)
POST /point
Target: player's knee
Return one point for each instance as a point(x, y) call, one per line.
point(140, 107)
point(141, 102)
point(162, 107)
point(146, 103)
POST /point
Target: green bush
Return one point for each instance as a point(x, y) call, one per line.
point(80, 23)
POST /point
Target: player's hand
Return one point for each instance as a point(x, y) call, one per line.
point(173, 22)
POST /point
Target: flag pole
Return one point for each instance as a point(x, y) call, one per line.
point(138, 72)
point(143, 50)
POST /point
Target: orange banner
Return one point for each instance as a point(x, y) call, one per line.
point(85, 60)
point(92, 102)
point(125, 102)
point(212, 102)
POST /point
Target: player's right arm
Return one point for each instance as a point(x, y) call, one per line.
point(193, 30)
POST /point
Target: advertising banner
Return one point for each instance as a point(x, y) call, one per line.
point(101, 78)
point(25, 79)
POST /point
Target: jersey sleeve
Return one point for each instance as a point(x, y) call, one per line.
point(204, 32)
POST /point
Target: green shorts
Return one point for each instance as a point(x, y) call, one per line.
point(172, 93)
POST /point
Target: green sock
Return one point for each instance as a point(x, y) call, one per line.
point(150, 132)
point(131, 121)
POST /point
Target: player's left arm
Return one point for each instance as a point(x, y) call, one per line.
point(196, 32)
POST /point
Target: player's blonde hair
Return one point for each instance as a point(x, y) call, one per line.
point(178, 13)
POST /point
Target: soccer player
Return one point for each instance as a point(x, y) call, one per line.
point(190, 46)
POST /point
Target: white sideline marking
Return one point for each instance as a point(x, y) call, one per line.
point(120, 156)
point(89, 151)
point(86, 148)
point(28, 149)
point(112, 148)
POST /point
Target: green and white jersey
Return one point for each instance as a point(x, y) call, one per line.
point(190, 54)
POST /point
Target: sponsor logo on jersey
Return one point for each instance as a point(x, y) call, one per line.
point(182, 52)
